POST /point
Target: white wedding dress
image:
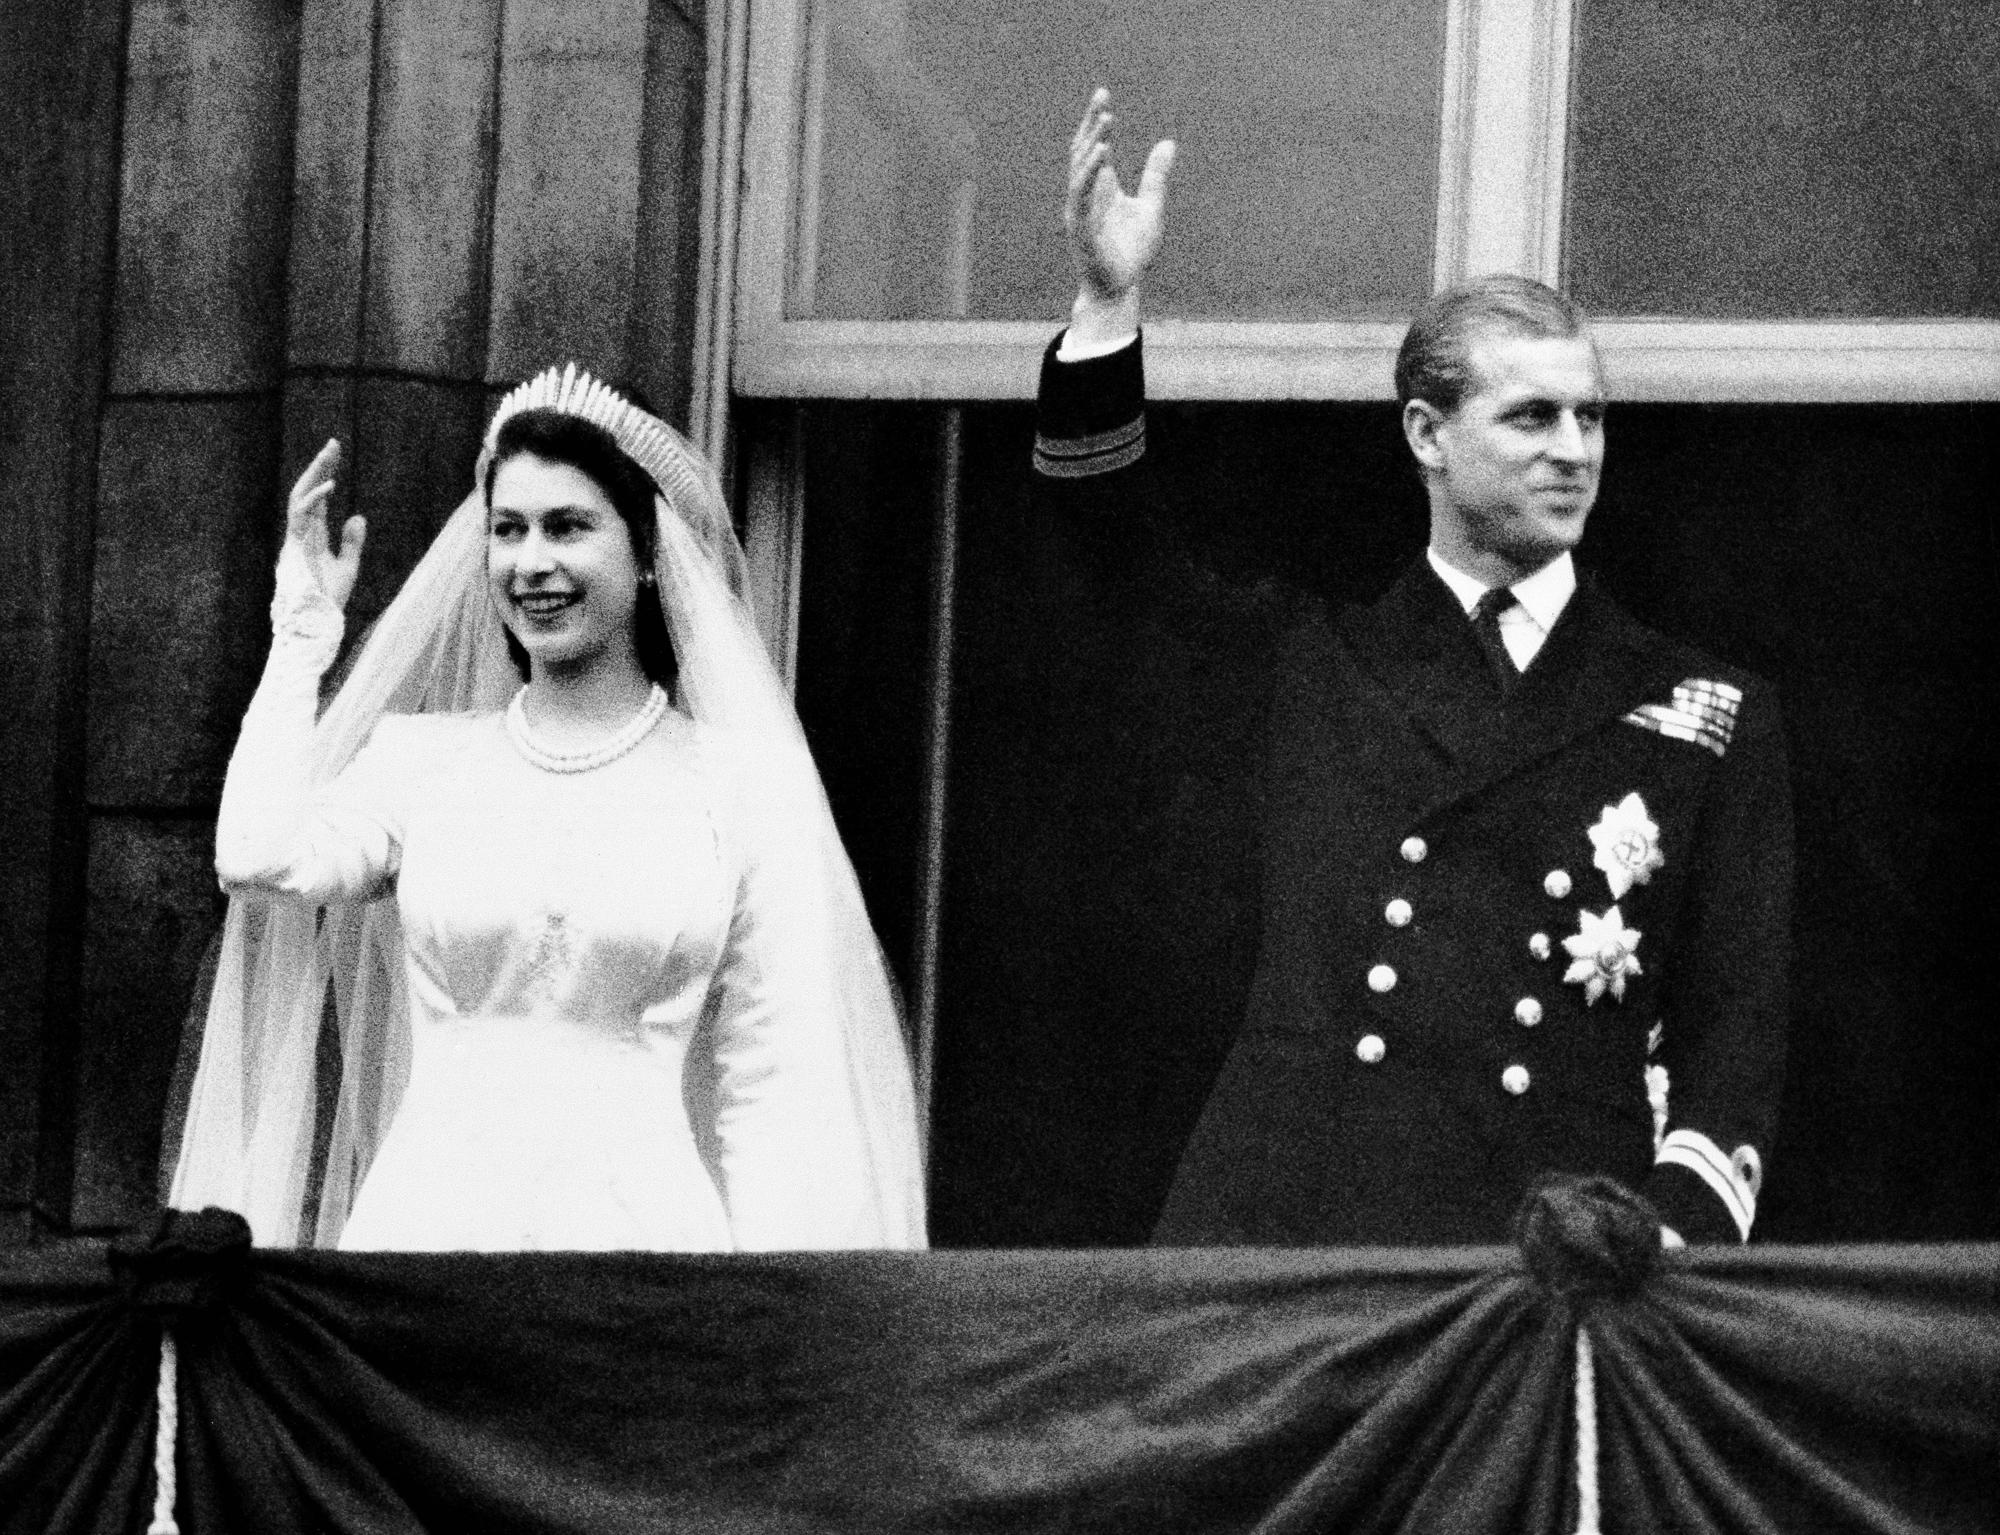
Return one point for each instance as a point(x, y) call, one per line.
point(602, 1052)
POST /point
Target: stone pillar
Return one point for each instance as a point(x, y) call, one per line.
point(185, 531)
point(59, 93)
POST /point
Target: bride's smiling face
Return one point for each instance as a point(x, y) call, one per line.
point(559, 563)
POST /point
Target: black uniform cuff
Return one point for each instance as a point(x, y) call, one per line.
point(1091, 415)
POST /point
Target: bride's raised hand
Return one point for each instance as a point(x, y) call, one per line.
point(305, 527)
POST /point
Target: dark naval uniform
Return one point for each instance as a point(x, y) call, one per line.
point(1502, 933)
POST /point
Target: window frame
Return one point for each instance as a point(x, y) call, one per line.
point(1502, 159)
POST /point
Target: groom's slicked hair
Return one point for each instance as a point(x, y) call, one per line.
point(1435, 361)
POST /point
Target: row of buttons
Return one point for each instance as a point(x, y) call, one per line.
point(1371, 1048)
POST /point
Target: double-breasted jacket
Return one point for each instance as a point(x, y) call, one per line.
point(1502, 934)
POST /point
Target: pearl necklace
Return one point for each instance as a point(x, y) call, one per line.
point(628, 735)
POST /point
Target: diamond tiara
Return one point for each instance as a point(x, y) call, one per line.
point(681, 474)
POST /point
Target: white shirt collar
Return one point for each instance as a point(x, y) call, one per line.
point(1542, 596)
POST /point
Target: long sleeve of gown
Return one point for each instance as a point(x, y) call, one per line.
point(277, 832)
point(796, 1170)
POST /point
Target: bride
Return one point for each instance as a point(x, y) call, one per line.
point(602, 974)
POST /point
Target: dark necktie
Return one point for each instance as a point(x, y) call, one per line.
point(1486, 629)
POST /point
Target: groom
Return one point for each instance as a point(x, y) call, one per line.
point(1526, 865)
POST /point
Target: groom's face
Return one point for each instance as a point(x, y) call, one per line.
point(1514, 468)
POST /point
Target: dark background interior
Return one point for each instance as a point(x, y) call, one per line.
point(1095, 918)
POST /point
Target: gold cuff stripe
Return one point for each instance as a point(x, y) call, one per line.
point(1099, 442)
point(1060, 458)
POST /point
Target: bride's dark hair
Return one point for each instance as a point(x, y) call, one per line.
point(589, 449)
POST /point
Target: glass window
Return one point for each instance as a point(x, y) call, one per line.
point(1808, 160)
point(934, 138)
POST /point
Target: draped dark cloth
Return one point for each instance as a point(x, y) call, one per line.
point(1835, 1389)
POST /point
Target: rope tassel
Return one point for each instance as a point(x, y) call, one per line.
point(1584, 1238)
point(166, 1429)
point(186, 1269)
point(1586, 1436)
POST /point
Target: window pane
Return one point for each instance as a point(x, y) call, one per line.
point(935, 141)
point(1768, 161)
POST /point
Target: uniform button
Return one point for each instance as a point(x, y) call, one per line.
point(1538, 945)
point(1556, 882)
point(1382, 978)
point(1515, 1080)
point(1370, 1048)
point(1528, 1011)
point(1398, 913)
point(1415, 849)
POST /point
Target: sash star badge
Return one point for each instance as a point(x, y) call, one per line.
point(1628, 845)
point(1601, 955)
